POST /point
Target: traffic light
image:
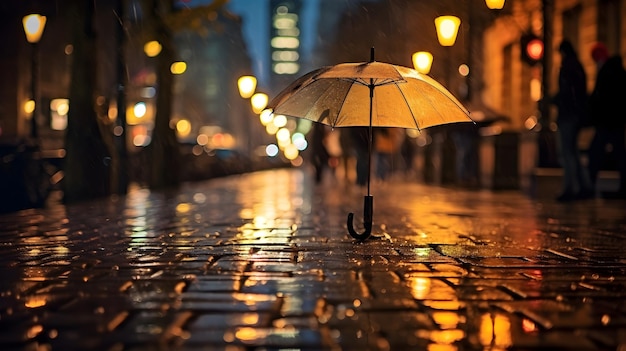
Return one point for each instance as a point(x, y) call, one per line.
point(532, 49)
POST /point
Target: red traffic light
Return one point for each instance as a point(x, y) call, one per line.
point(532, 49)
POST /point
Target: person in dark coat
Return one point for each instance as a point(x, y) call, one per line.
point(320, 155)
point(608, 115)
point(571, 102)
point(359, 140)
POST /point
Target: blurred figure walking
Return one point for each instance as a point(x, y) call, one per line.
point(608, 116)
point(571, 102)
point(387, 144)
point(359, 140)
point(320, 156)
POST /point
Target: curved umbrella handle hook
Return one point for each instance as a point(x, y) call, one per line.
point(368, 205)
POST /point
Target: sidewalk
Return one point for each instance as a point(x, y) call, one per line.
point(263, 261)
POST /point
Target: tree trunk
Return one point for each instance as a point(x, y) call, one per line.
point(121, 164)
point(87, 160)
point(163, 151)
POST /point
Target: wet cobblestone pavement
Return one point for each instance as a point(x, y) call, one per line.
point(263, 261)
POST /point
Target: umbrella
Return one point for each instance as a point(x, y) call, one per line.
point(370, 94)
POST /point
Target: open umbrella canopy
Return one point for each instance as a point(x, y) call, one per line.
point(372, 94)
point(339, 96)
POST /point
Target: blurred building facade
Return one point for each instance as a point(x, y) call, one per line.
point(499, 82)
point(522, 90)
point(206, 94)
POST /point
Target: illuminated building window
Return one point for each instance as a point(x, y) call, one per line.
point(58, 113)
point(285, 41)
point(286, 68)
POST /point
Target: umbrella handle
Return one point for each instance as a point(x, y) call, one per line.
point(368, 206)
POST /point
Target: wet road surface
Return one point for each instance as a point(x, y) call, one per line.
point(263, 261)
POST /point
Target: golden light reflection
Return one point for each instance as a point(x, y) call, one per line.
point(61, 250)
point(495, 330)
point(420, 287)
point(446, 336)
point(447, 319)
point(35, 301)
point(34, 331)
point(246, 213)
point(441, 347)
point(183, 208)
point(246, 334)
point(422, 251)
point(444, 305)
point(250, 318)
point(528, 326)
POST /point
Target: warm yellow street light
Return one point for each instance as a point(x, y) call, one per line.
point(495, 4)
point(266, 117)
point(33, 27)
point(178, 67)
point(422, 61)
point(259, 102)
point(247, 86)
point(447, 29)
point(152, 48)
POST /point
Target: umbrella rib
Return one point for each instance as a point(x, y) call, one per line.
point(343, 100)
point(441, 116)
point(366, 83)
point(406, 102)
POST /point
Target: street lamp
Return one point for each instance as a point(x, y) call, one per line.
point(152, 48)
point(259, 102)
point(495, 4)
point(247, 86)
point(34, 25)
point(447, 29)
point(422, 61)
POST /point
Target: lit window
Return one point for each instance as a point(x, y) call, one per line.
point(285, 43)
point(291, 56)
point(286, 68)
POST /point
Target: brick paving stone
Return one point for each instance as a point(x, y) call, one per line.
point(263, 261)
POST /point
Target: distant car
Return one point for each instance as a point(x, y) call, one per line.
point(202, 163)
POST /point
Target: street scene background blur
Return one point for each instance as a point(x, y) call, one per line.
point(114, 94)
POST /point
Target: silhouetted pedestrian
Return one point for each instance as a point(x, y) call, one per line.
point(386, 146)
point(359, 137)
point(571, 102)
point(320, 155)
point(608, 115)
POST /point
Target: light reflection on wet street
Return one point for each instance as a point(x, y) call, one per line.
point(263, 261)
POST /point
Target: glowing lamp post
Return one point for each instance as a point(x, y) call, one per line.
point(247, 86)
point(447, 29)
point(259, 102)
point(152, 48)
point(33, 28)
point(495, 4)
point(422, 61)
